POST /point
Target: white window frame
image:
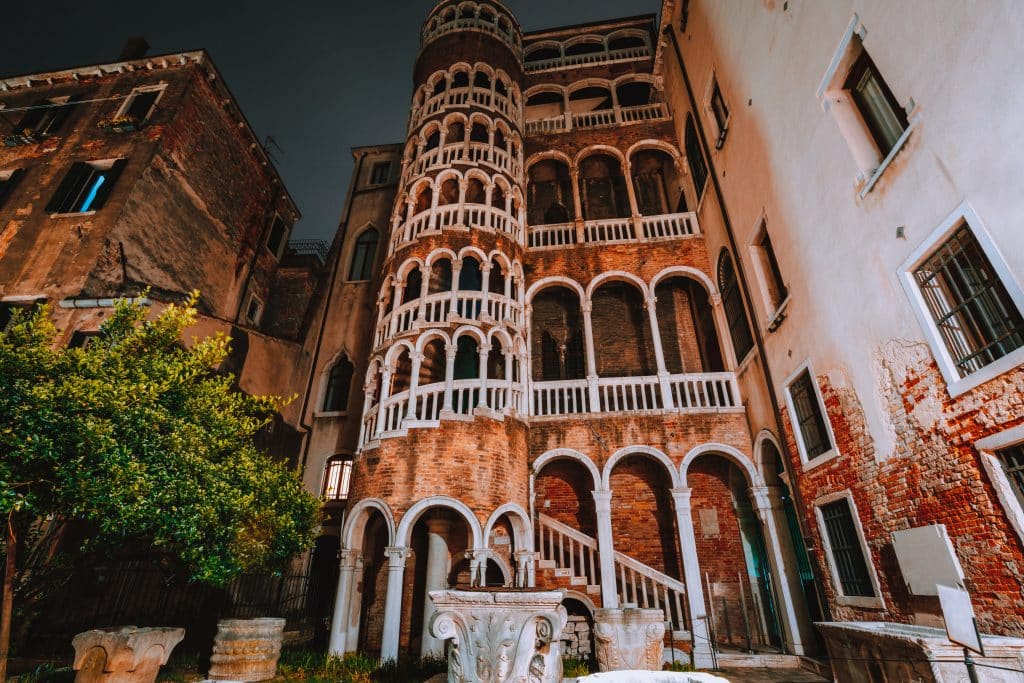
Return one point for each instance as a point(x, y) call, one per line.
point(159, 88)
point(835, 100)
point(876, 602)
point(709, 90)
point(259, 313)
point(774, 314)
point(830, 454)
point(987, 448)
point(284, 240)
point(964, 213)
point(325, 380)
point(348, 461)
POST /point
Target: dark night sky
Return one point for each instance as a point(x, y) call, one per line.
point(320, 77)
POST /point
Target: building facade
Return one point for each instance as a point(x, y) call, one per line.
point(553, 393)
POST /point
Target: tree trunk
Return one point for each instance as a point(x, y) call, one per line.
point(10, 569)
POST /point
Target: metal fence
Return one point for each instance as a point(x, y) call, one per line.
point(318, 248)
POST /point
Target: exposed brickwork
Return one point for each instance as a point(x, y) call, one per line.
point(643, 521)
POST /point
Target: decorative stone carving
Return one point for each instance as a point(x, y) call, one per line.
point(501, 636)
point(126, 655)
point(246, 649)
point(629, 638)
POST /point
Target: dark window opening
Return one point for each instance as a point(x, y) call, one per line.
point(884, 117)
point(809, 418)
point(8, 182)
point(1012, 460)
point(81, 339)
point(364, 256)
point(339, 383)
point(47, 116)
point(695, 159)
point(276, 238)
point(85, 187)
point(380, 173)
point(847, 553)
point(140, 104)
point(735, 312)
point(337, 478)
point(774, 284)
point(721, 113)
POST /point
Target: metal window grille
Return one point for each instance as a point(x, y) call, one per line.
point(847, 553)
point(809, 416)
point(1012, 460)
point(970, 306)
point(337, 478)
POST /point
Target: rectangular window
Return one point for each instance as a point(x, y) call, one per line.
point(8, 179)
point(976, 318)
point(337, 478)
point(278, 237)
point(720, 111)
point(380, 173)
point(884, 117)
point(847, 553)
point(139, 105)
point(809, 417)
point(1012, 461)
point(46, 116)
point(254, 310)
point(768, 268)
point(80, 339)
point(85, 187)
point(695, 159)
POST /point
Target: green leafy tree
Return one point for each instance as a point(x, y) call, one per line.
point(136, 437)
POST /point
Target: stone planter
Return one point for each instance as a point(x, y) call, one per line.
point(629, 638)
point(867, 651)
point(123, 655)
point(500, 636)
point(246, 649)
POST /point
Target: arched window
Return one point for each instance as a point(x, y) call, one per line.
point(732, 301)
point(364, 256)
point(337, 477)
point(339, 381)
point(413, 285)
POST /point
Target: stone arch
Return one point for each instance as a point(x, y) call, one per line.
point(548, 155)
point(620, 276)
point(570, 454)
point(472, 331)
point(764, 468)
point(648, 451)
point(734, 455)
point(600, 149)
point(554, 281)
point(430, 335)
point(355, 524)
point(404, 533)
point(520, 521)
point(395, 351)
point(439, 253)
point(542, 45)
point(407, 265)
point(588, 82)
point(685, 271)
point(649, 143)
point(476, 252)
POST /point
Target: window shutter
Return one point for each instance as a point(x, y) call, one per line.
point(7, 186)
point(59, 114)
point(67, 192)
point(108, 184)
point(32, 117)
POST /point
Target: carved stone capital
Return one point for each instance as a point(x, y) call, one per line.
point(629, 639)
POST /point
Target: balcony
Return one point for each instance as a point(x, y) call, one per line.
point(614, 231)
point(456, 216)
point(473, 154)
point(628, 54)
point(602, 118)
point(466, 96)
point(499, 28)
point(714, 392)
point(444, 307)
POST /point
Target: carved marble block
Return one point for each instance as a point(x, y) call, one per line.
point(126, 655)
point(501, 636)
point(246, 649)
point(629, 638)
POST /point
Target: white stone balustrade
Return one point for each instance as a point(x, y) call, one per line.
point(475, 154)
point(467, 216)
point(466, 96)
point(437, 30)
point(444, 307)
point(600, 118)
point(615, 230)
point(626, 54)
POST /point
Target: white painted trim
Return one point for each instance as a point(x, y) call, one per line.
point(986, 448)
point(404, 534)
point(876, 602)
point(853, 27)
point(647, 451)
point(738, 458)
point(900, 143)
point(828, 455)
point(568, 454)
point(160, 88)
point(964, 213)
point(279, 254)
point(771, 311)
point(254, 322)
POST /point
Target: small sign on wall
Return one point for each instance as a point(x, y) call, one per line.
point(927, 559)
point(708, 522)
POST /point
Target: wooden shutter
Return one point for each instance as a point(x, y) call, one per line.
point(7, 186)
point(108, 184)
point(70, 188)
point(58, 115)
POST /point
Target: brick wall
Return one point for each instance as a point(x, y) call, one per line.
point(643, 520)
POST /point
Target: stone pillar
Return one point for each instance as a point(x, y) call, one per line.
point(577, 214)
point(768, 506)
point(393, 602)
point(659, 353)
point(414, 382)
point(634, 209)
point(606, 548)
point(453, 306)
point(588, 339)
point(485, 351)
point(342, 600)
point(449, 375)
point(722, 330)
point(691, 576)
point(437, 579)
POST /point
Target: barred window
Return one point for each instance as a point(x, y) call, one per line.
point(337, 478)
point(809, 418)
point(847, 552)
point(975, 316)
point(1012, 461)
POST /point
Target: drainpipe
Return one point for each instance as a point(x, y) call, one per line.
point(339, 242)
point(102, 303)
point(755, 329)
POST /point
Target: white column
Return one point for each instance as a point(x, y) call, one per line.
point(606, 548)
point(460, 220)
point(478, 566)
point(437, 579)
point(385, 391)
point(449, 376)
point(411, 413)
point(577, 210)
point(659, 353)
point(342, 599)
point(424, 292)
point(588, 336)
point(722, 332)
point(485, 350)
point(691, 576)
point(396, 300)
point(485, 270)
point(393, 602)
point(792, 613)
point(634, 210)
point(453, 309)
